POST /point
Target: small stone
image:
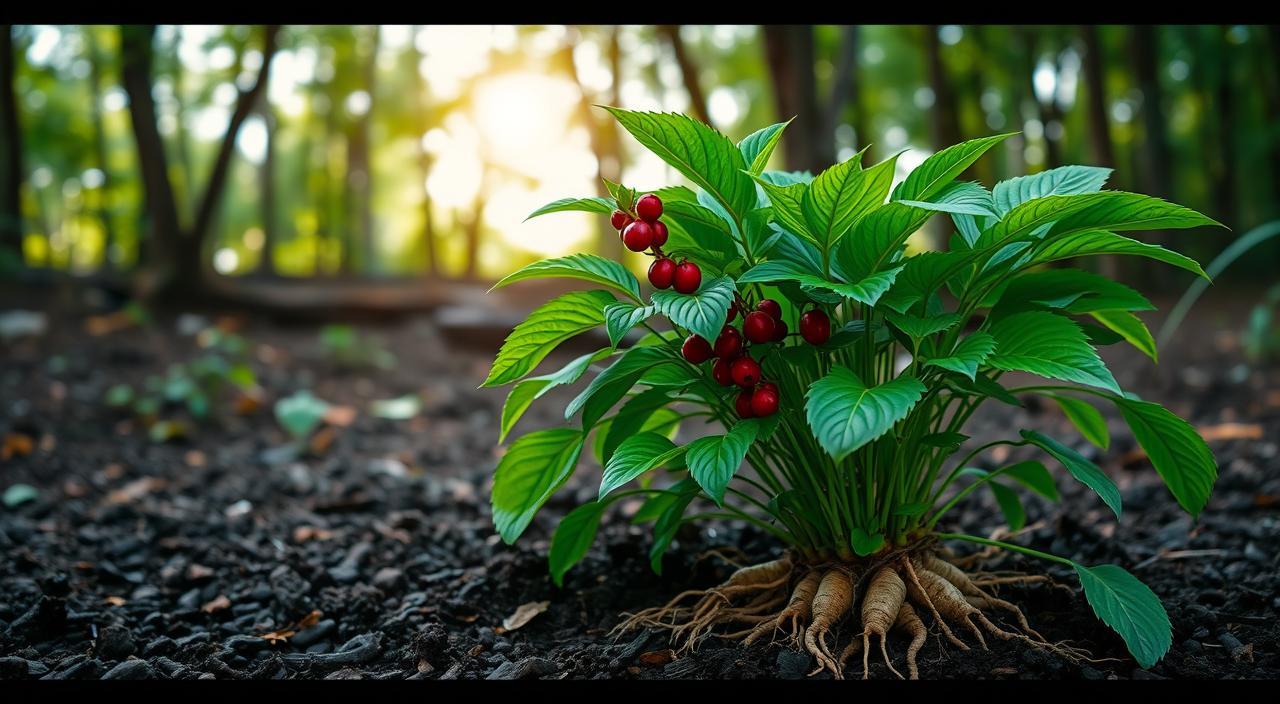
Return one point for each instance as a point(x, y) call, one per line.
point(164, 645)
point(1192, 646)
point(114, 643)
point(792, 664)
point(346, 673)
point(388, 578)
point(529, 667)
point(130, 670)
point(313, 635)
point(13, 667)
point(1091, 673)
point(1254, 553)
point(245, 643)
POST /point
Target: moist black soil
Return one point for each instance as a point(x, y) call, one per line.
point(172, 560)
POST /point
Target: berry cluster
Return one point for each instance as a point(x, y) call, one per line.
point(645, 231)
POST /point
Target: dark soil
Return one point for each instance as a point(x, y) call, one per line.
point(168, 561)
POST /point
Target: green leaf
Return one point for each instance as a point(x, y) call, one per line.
point(118, 396)
point(1035, 477)
point(787, 203)
point(918, 327)
point(864, 543)
point(967, 356)
point(600, 206)
point(529, 390)
point(867, 291)
point(1033, 218)
point(1072, 290)
point(982, 385)
point(659, 502)
point(1082, 469)
point(758, 146)
point(786, 178)
point(633, 415)
point(702, 312)
point(1095, 242)
point(963, 198)
point(528, 474)
point(1010, 505)
point(1117, 210)
point(943, 440)
point(1086, 419)
point(587, 267)
point(300, 414)
point(713, 460)
point(1048, 345)
point(635, 456)
point(551, 324)
point(1130, 327)
point(18, 494)
point(625, 197)
point(910, 509)
point(842, 194)
point(1179, 454)
point(1130, 608)
point(702, 154)
point(877, 239)
point(845, 414)
point(664, 531)
point(1064, 180)
point(620, 317)
point(941, 168)
point(573, 538)
point(614, 382)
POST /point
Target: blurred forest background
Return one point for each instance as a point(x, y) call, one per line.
point(197, 154)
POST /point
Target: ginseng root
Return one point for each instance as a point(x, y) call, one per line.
point(834, 598)
point(879, 609)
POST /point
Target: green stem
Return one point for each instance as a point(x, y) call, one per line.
point(1006, 546)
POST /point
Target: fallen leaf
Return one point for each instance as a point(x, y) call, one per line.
point(218, 604)
point(302, 534)
point(19, 494)
point(74, 488)
point(657, 657)
point(16, 445)
point(116, 600)
point(341, 416)
point(1230, 431)
point(284, 634)
point(195, 459)
point(524, 614)
point(321, 441)
point(310, 619)
point(248, 402)
point(424, 667)
point(115, 470)
point(135, 490)
point(402, 408)
point(274, 637)
point(1265, 500)
point(197, 572)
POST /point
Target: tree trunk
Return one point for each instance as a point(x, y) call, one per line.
point(1225, 105)
point(1095, 84)
point(161, 217)
point(359, 171)
point(1155, 144)
point(10, 157)
point(688, 71)
point(424, 161)
point(846, 89)
point(789, 53)
point(474, 225)
point(270, 233)
point(182, 138)
point(100, 146)
point(607, 241)
point(944, 118)
point(1046, 111)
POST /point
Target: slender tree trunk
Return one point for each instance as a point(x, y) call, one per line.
point(1155, 144)
point(688, 71)
point(424, 161)
point(1273, 109)
point(1224, 103)
point(270, 232)
point(10, 157)
point(359, 171)
point(606, 238)
point(1095, 84)
point(182, 138)
point(161, 211)
point(846, 90)
point(473, 228)
point(789, 53)
point(944, 118)
point(100, 146)
point(1046, 111)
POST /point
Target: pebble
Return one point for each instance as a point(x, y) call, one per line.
point(164, 645)
point(13, 667)
point(114, 643)
point(245, 643)
point(388, 578)
point(528, 667)
point(130, 670)
point(1254, 553)
point(311, 636)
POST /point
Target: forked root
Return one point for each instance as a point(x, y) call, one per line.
point(808, 603)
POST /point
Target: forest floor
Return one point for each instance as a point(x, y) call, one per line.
point(171, 560)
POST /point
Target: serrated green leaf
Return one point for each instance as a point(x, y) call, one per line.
point(1064, 180)
point(943, 167)
point(535, 467)
point(1086, 419)
point(614, 382)
point(758, 146)
point(967, 356)
point(1072, 290)
point(787, 203)
point(961, 198)
point(600, 206)
point(1082, 469)
point(551, 324)
point(1095, 242)
point(632, 416)
point(867, 291)
point(713, 460)
point(702, 154)
point(786, 178)
point(620, 317)
point(842, 194)
point(1178, 453)
point(1117, 210)
point(1130, 608)
point(1131, 328)
point(702, 312)
point(587, 267)
point(919, 327)
point(573, 538)
point(635, 456)
point(300, 413)
point(529, 390)
point(845, 414)
point(1048, 345)
point(657, 504)
point(623, 196)
point(877, 239)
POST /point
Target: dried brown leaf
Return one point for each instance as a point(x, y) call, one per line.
point(524, 614)
point(219, 603)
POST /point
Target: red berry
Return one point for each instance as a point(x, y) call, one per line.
point(649, 208)
point(619, 219)
point(768, 386)
point(771, 307)
point(729, 344)
point(720, 372)
point(662, 272)
point(815, 327)
point(743, 404)
point(758, 326)
point(688, 277)
point(733, 313)
point(745, 371)
point(764, 402)
point(659, 233)
point(638, 236)
point(780, 331)
point(696, 349)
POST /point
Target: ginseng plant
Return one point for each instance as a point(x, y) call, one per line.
point(840, 373)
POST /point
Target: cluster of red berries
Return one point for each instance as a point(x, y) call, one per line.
point(646, 231)
point(733, 365)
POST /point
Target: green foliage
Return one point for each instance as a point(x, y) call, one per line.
point(300, 414)
point(866, 444)
point(342, 345)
